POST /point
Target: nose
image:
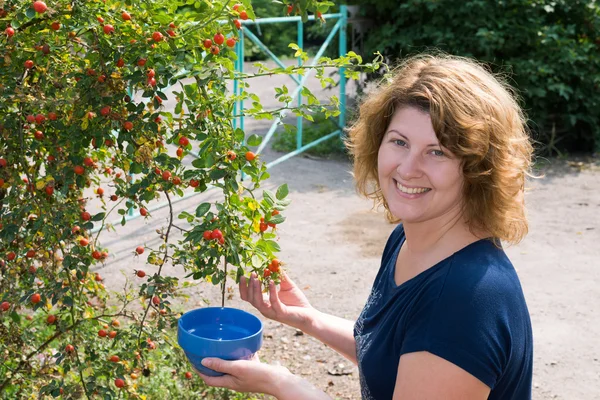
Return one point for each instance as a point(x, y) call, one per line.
point(410, 167)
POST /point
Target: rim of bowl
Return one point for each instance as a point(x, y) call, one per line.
point(185, 332)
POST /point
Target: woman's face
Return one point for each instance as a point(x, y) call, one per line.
point(419, 179)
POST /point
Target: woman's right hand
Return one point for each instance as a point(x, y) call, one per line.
point(287, 305)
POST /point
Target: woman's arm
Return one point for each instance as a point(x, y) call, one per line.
point(335, 332)
point(256, 377)
point(290, 306)
point(423, 375)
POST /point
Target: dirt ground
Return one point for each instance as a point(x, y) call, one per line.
point(332, 241)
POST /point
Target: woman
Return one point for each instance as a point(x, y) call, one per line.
point(444, 148)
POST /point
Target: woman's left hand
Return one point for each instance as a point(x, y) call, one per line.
point(246, 376)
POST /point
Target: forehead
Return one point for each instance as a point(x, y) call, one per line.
point(412, 123)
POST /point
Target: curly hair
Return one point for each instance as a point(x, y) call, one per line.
point(476, 116)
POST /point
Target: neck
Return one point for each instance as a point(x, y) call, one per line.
point(448, 229)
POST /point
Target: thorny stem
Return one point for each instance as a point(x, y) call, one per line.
point(161, 265)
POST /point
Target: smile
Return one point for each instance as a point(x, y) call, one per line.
point(408, 190)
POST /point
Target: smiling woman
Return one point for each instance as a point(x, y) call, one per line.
point(444, 148)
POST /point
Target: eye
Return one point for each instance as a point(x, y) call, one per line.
point(438, 153)
point(399, 142)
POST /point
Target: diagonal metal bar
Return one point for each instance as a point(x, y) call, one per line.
point(264, 48)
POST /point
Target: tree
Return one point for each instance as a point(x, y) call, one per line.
point(82, 87)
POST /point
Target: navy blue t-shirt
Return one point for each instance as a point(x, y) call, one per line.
point(468, 309)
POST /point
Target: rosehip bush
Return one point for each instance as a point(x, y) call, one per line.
point(83, 88)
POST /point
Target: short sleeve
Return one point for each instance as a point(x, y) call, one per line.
point(464, 320)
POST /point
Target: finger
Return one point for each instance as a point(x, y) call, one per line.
point(243, 288)
point(219, 365)
point(224, 381)
point(257, 297)
point(274, 298)
point(251, 288)
point(286, 282)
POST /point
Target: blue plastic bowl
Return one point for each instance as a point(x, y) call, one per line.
point(227, 333)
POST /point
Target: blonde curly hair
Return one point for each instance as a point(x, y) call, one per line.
point(476, 116)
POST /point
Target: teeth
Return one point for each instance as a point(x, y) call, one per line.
point(406, 190)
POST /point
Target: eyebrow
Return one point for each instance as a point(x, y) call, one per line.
point(429, 145)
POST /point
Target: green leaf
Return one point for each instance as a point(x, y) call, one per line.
point(30, 13)
point(254, 140)
point(98, 217)
point(202, 209)
point(282, 191)
point(136, 168)
point(272, 246)
point(277, 219)
point(269, 197)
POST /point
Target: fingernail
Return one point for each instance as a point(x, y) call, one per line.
point(271, 283)
point(253, 275)
point(207, 362)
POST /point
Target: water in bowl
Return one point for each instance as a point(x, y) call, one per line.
point(220, 332)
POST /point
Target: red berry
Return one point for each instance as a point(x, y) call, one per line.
point(86, 216)
point(11, 256)
point(88, 161)
point(219, 38)
point(128, 125)
point(183, 141)
point(171, 32)
point(120, 63)
point(4, 306)
point(40, 7)
point(40, 119)
point(237, 23)
point(151, 82)
point(194, 183)
point(172, 25)
point(102, 333)
point(112, 334)
point(114, 359)
point(97, 255)
point(108, 29)
point(143, 212)
point(119, 383)
point(216, 234)
point(207, 43)
point(290, 8)
point(176, 180)
point(231, 42)
point(166, 175)
point(188, 375)
point(51, 319)
point(274, 266)
point(114, 197)
point(69, 348)
point(30, 118)
point(215, 50)
point(52, 116)
point(55, 26)
point(28, 64)
point(100, 19)
point(125, 15)
point(263, 227)
point(156, 300)
point(105, 111)
point(10, 32)
point(84, 242)
point(250, 156)
point(236, 7)
point(140, 250)
point(36, 298)
point(157, 36)
point(39, 135)
point(179, 152)
point(244, 15)
point(267, 273)
point(150, 73)
point(79, 170)
point(30, 253)
point(207, 235)
point(3, 162)
point(100, 191)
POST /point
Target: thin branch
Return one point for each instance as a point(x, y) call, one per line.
point(161, 265)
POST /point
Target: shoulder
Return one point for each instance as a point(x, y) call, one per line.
point(482, 273)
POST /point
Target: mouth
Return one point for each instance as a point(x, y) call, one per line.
point(411, 190)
